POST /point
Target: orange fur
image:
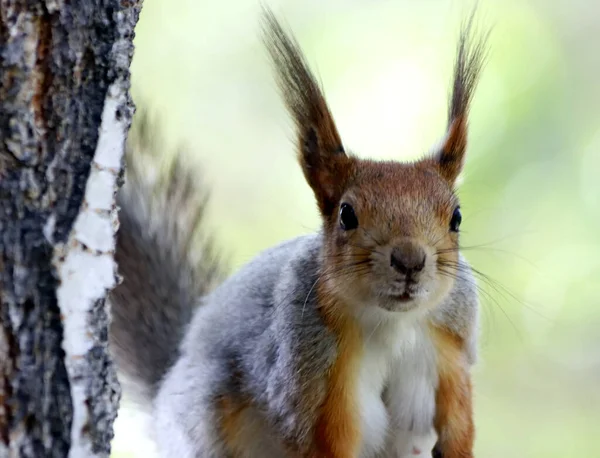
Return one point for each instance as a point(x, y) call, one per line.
point(238, 429)
point(231, 424)
point(338, 432)
point(454, 410)
point(452, 153)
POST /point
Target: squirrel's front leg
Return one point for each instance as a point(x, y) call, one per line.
point(454, 420)
point(337, 432)
point(454, 407)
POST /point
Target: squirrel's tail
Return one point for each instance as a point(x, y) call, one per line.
point(166, 261)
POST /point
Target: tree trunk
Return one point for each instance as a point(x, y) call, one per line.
point(64, 115)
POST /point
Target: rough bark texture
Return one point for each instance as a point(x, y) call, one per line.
point(64, 114)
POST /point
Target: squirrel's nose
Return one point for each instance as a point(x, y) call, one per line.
point(408, 258)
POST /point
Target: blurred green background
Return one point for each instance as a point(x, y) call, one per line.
point(530, 192)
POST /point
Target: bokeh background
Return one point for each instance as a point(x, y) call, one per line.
point(530, 192)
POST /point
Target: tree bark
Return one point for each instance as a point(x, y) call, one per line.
point(65, 111)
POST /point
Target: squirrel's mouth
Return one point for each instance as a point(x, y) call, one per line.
point(403, 297)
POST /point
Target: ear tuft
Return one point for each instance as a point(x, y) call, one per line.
point(320, 148)
point(470, 60)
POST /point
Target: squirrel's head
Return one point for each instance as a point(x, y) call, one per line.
point(391, 229)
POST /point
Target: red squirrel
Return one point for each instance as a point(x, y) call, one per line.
point(356, 341)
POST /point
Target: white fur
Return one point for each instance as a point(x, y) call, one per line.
point(170, 437)
point(375, 370)
point(409, 444)
point(397, 386)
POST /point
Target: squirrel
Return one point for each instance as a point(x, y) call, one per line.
point(355, 341)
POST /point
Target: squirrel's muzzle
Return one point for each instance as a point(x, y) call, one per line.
point(408, 258)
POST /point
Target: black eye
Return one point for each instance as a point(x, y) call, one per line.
point(348, 219)
point(456, 220)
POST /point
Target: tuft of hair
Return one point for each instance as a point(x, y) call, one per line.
point(299, 88)
point(470, 59)
point(165, 257)
point(320, 149)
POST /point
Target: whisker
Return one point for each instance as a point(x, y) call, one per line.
point(496, 285)
point(369, 250)
point(308, 295)
point(488, 296)
point(372, 237)
point(373, 331)
point(486, 248)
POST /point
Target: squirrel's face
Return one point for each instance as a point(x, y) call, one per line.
point(390, 228)
point(394, 231)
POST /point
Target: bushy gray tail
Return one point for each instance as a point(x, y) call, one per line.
point(166, 260)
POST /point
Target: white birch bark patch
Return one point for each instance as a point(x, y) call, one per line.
point(85, 264)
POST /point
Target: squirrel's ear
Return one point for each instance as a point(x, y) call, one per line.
point(469, 62)
point(321, 153)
